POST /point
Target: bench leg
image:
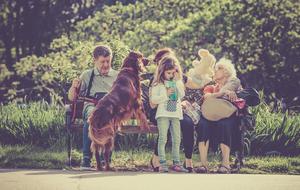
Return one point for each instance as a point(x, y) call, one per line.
point(239, 161)
point(69, 144)
point(68, 118)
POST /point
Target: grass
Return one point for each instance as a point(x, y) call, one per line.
point(30, 157)
point(37, 158)
point(37, 123)
point(275, 132)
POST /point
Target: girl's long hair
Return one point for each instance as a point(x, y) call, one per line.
point(167, 62)
point(161, 53)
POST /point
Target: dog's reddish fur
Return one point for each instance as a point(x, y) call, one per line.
point(118, 106)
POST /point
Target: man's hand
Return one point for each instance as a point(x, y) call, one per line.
point(72, 91)
point(76, 83)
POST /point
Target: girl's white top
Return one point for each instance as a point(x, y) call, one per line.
point(158, 95)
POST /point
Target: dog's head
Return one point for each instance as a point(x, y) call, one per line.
point(136, 61)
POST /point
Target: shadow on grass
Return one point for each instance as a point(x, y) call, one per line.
point(7, 170)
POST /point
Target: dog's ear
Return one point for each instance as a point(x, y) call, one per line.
point(145, 61)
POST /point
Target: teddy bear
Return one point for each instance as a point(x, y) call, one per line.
point(202, 71)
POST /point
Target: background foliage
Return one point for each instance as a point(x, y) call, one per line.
point(261, 37)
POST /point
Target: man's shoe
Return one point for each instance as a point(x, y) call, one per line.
point(85, 165)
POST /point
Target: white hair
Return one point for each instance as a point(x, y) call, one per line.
point(228, 66)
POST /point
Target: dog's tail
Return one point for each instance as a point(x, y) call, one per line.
point(100, 136)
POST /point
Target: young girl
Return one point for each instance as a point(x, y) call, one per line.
point(167, 91)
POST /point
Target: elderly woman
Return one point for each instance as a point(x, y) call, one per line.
point(220, 131)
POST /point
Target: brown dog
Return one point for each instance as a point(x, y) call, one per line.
point(117, 107)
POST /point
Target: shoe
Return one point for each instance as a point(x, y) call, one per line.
point(155, 169)
point(224, 170)
point(85, 165)
point(201, 169)
point(190, 169)
point(163, 167)
point(179, 168)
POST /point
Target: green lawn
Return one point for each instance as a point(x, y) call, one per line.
point(33, 157)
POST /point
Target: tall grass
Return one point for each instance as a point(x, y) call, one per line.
point(41, 124)
point(36, 123)
point(275, 132)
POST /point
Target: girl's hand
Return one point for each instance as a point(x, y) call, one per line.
point(170, 91)
point(231, 95)
point(176, 74)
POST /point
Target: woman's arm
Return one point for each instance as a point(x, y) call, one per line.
point(232, 84)
point(190, 84)
point(229, 89)
point(196, 83)
point(213, 95)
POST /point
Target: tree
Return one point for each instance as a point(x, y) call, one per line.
point(262, 38)
point(28, 27)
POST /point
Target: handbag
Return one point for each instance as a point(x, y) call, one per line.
point(193, 111)
point(215, 109)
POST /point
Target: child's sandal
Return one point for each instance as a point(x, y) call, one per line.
point(164, 168)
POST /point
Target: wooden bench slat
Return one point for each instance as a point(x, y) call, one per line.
point(128, 129)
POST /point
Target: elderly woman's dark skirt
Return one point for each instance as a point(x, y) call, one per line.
point(217, 132)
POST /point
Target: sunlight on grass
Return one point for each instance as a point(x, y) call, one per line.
point(133, 160)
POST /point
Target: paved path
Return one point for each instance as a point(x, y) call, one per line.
point(69, 180)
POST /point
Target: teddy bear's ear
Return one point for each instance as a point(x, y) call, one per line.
point(203, 52)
